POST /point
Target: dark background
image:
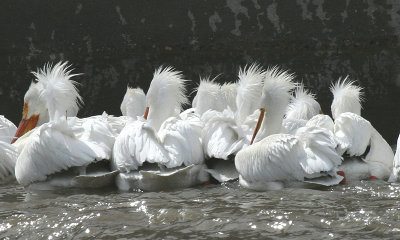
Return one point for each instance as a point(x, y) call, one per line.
point(115, 43)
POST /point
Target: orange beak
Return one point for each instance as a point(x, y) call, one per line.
point(321, 112)
point(260, 119)
point(26, 124)
point(146, 113)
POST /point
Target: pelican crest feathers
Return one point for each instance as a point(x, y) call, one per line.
point(347, 97)
point(57, 89)
point(249, 87)
point(303, 104)
point(168, 88)
point(207, 95)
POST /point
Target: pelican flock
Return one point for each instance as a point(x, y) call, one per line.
point(265, 129)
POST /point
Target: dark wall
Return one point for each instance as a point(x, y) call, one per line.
point(115, 43)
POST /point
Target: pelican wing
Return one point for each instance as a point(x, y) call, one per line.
point(7, 129)
point(320, 147)
point(278, 157)
point(353, 134)
point(290, 125)
point(136, 144)
point(322, 121)
point(8, 157)
point(57, 146)
point(182, 142)
point(221, 137)
point(191, 117)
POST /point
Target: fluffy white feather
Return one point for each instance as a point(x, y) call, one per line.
point(347, 97)
point(249, 89)
point(228, 92)
point(57, 90)
point(303, 105)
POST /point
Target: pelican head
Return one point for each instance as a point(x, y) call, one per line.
point(347, 97)
point(228, 94)
point(50, 96)
point(303, 105)
point(276, 93)
point(207, 96)
point(134, 102)
point(248, 90)
point(166, 95)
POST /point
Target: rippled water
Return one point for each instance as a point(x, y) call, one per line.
point(360, 210)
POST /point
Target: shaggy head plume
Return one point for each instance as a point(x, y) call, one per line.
point(207, 96)
point(276, 93)
point(166, 94)
point(249, 89)
point(347, 97)
point(303, 105)
point(57, 90)
point(228, 95)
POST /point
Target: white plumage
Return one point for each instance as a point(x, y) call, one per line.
point(57, 90)
point(61, 143)
point(303, 105)
point(302, 108)
point(226, 132)
point(356, 136)
point(394, 177)
point(8, 152)
point(166, 138)
point(207, 96)
point(249, 86)
point(277, 159)
point(347, 97)
point(57, 146)
point(166, 96)
point(8, 157)
point(7, 129)
point(133, 103)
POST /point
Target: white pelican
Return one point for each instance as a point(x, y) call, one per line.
point(394, 177)
point(226, 132)
point(8, 153)
point(302, 108)
point(366, 153)
point(60, 151)
point(160, 151)
point(279, 159)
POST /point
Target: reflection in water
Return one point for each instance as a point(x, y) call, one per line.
point(356, 210)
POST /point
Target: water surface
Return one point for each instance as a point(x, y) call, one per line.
point(359, 210)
